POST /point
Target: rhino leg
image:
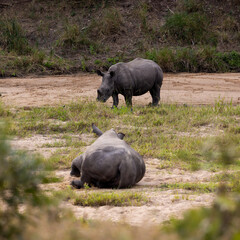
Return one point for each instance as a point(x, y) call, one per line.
point(127, 175)
point(77, 184)
point(155, 93)
point(80, 183)
point(115, 100)
point(128, 99)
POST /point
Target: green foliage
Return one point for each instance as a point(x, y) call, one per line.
point(232, 59)
point(74, 38)
point(12, 37)
point(71, 34)
point(189, 25)
point(20, 176)
point(36, 62)
point(196, 187)
point(110, 199)
point(142, 14)
point(188, 28)
point(109, 23)
point(231, 180)
point(219, 222)
point(96, 199)
point(50, 177)
point(203, 59)
point(164, 126)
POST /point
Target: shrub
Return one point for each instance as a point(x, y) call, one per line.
point(189, 28)
point(202, 59)
point(19, 184)
point(219, 222)
point(110, 23)
point(74, 38)
point(189, 24)
point(12, 37)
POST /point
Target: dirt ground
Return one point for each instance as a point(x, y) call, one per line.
point(183, 88)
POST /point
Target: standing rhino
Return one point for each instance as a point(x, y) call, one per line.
point(108, 163)
point(131, 79)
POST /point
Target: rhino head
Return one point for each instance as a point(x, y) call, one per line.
point(99, 132)
point(76, 166)
point(106, 89)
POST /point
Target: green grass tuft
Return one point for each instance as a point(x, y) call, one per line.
point(110, 199)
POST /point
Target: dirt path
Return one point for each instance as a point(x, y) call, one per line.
point(177, 88)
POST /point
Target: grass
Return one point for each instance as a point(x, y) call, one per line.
point(196, 187)
point(231, 179)
point(198, 59)
point(12, 37)
point(189, 24)
point(179, 136)
point(37, 62)
point(97, 199)
point(42, 217)
point(96, 34)
point(20, 58)
point(62, 158)
point(50, 177)
point(110, 199)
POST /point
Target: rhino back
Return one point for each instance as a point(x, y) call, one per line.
point(138, 75)
point(105, 158)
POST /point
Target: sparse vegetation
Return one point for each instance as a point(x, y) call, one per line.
point(59, 36)
point(183, 36)
point(20, 175)
point(39, 219)
point(203, 59)
point(110, 198)
point(180, 140)
point(195, 187)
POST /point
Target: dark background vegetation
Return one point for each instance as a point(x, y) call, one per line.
point(54, 37)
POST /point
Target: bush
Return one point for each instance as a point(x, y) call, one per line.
point(222, 221)
point(189, 28)
point(202, 59)
point(12, 37)
point(189, 24)
point(20, 176)
point(110, 23)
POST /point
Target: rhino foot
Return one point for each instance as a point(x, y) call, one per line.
point(77, 184)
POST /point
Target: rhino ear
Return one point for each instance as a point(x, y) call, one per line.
point(121, 135)
point(100, 73)
point(112, 73)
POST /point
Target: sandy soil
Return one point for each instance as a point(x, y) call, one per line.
point(177, 88)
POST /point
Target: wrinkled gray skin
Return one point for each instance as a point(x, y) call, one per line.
point(108, 163)
point(131, 79)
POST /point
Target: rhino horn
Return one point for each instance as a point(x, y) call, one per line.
point(100, 73)
point(96, 130)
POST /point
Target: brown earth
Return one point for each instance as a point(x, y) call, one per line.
point(181, 88)
point(184, 88)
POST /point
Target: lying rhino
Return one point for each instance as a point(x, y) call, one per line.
point(108, 163)
point(131, 79)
